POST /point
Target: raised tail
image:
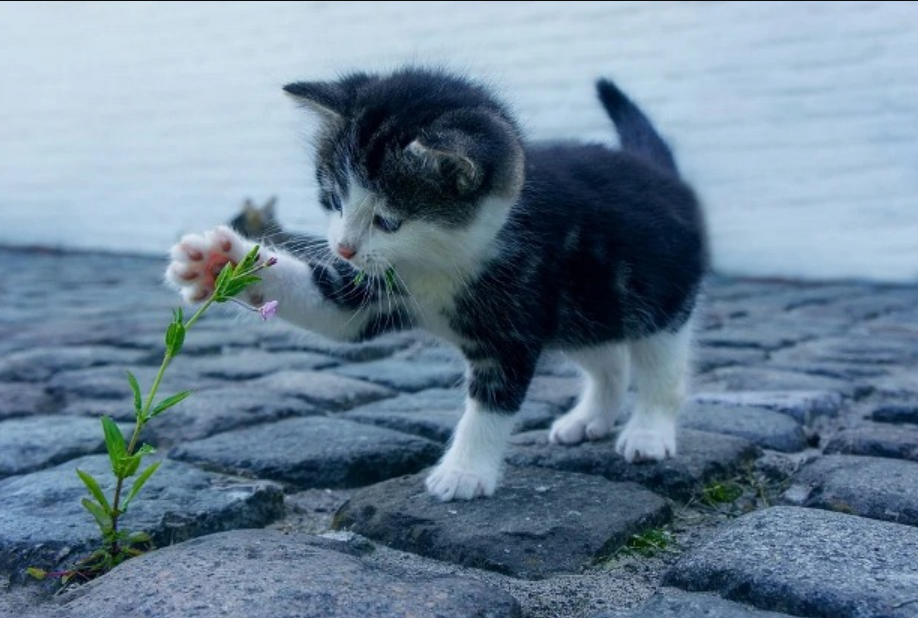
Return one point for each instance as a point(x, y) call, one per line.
point(637, 134)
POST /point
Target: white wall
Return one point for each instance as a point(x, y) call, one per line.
point(124, 124)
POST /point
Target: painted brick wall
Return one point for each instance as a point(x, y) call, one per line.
point(123, 125)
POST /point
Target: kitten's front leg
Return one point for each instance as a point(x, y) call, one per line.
point(316, 298)
point(472, 464)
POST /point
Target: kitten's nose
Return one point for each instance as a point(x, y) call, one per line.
point(346, 252)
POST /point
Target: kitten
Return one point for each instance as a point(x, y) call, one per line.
point(442, 217)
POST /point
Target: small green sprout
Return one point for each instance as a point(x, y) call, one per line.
point(721, 493)
point(649, 543)
point(126, 457)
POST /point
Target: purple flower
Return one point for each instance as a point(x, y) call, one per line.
point(268, 310)
point(271, 261)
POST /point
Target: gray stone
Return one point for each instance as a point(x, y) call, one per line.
point(884, 489)
point(673, 604)
point(755, 335)
point(323, 390)
point(404, 375)
point(853, 349)
point(111, 382)
point(708, 358)
point(121, 410)
point(257, 363)
point(18, 399)
point(876, 440)
point(808, 562)
point(560, 392)
point(39, 364)
point(732, 379)
point(313, 452)
point(206, 339)
point(433, 413)
point(222, 409)
point(43, 524)
point(266, 574)
point(803, 406)
point(703, 457)
point(539, 522)
point(760, 426)
point(864, 375)
point(864, 307)
point(896, 413)
point(36, 442)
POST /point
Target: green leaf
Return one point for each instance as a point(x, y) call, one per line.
point(129, 464)
point(37, 573)
point(94, 489)
point(102, 518)
point(144, 476)
point(222, 279)
point(247, 262)
point(175, 333)
point(114, 442)
point(360, 277)
point(238, 284)
point(168, 402)
point(135, 387)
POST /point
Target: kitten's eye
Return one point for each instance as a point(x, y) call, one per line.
point(334, 202)
point(386, 224)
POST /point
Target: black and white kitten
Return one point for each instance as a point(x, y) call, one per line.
point(442, 217)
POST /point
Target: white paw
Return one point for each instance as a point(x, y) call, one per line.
point(647, 441)
point(450, 482)
point(577, 426)
point(198, 259)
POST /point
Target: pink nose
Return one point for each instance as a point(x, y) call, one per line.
point(346, 252)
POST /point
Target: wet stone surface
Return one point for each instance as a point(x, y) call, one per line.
point(803, 395)
point(808, 563)
point(313, 452)
point(43, 524)
point(868, 486)
point(541, 522)
point(703, 457)
point(297, 576)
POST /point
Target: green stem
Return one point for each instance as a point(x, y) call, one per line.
point(143, 417)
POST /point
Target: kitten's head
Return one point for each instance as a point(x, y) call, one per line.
point(416, 169)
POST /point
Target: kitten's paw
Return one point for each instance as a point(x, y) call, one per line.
point(577, 426)
point(450, 482)
point(198, 259)
point(647, 441)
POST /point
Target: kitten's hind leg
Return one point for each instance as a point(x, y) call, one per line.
point(606, 369)
point(661, 371)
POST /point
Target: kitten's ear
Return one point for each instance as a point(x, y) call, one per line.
point(248, 206)
point(451, 165)
point(327, 98)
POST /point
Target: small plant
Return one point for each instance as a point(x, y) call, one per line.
point(721, 493)
point(650, 542)
point(119, 544)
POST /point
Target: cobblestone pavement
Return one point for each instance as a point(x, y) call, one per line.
point(292, 479)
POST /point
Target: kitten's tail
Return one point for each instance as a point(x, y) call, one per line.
point(637, 134)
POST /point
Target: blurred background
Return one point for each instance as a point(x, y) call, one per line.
point(124, 125)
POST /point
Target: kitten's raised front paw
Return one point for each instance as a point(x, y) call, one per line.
point(449, 482)
point(577, 426)
point(198, 259)
point(647, 441)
